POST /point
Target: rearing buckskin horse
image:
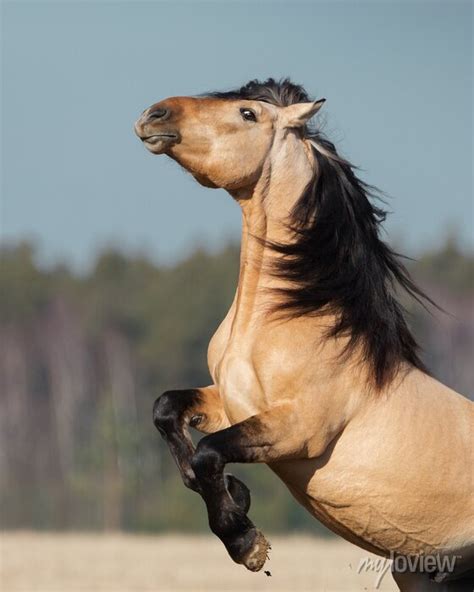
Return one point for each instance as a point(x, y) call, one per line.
point(314, 369)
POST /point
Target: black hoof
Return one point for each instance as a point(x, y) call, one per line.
point(239, 492)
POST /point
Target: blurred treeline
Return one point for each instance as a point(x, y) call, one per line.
point(83, 357)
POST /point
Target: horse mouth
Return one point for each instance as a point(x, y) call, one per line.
point(157, 138)
point(160, 143)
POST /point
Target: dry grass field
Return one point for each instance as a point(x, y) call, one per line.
point(32, 562)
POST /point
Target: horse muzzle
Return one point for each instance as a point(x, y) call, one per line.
point(155, 140)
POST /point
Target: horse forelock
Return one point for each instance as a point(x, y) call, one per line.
point(280, 93)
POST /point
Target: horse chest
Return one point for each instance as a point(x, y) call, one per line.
point(232, 367)
point(234, 374)
point(239, 386)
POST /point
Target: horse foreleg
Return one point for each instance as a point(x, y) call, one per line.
point(260, 438)
point(174, 412)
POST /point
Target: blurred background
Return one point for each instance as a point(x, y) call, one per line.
point(116, 267)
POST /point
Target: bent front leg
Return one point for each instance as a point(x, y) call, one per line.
point(261, 438)
point(174, 412)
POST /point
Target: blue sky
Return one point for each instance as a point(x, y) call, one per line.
point(397, 77)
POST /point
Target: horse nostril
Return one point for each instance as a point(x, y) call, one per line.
point(158, 114)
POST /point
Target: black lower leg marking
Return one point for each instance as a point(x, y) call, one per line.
point(227, 519)
point(169, 412)
point(169, 416)
point(238, 491)
point(227, 498)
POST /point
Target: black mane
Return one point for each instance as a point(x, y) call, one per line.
point(337, 262)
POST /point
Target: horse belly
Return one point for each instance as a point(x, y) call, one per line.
point(361, 491)
point(325, 499)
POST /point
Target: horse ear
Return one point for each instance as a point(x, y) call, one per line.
point(298, 114)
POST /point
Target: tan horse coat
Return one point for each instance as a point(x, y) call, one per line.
point(389, 470)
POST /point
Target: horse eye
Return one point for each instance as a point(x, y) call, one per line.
point(248, 114)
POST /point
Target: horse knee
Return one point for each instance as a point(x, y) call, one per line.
point(164, 415)
point(169, 408)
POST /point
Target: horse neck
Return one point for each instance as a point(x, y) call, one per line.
point(265, 211)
